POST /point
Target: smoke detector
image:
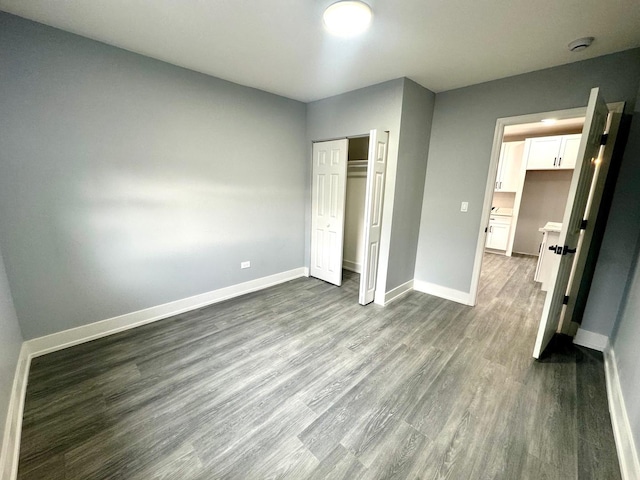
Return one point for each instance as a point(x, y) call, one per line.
point(580, 44)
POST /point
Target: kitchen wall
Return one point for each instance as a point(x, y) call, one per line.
point(463, 126)
point(10, 344)
point(503, 199)
point(127, 183)
point(544, 198)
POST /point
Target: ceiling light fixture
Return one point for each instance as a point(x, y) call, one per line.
point(580, 44)
point(347, 18)
point(548, 121)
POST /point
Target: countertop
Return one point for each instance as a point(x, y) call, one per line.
point(551, 227)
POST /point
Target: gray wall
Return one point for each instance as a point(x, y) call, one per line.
point(544, 197)
point(463, 126)
point(626, 339)
point(352, 114)
point(415, 131)
point(127, 183)
point(10, 343)
point(620, 237)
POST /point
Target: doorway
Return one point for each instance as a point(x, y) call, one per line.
point(562, 246)
point(348, 177)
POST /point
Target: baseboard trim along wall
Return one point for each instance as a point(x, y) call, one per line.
point(443, 292)
point(13, 427)
point(625, 445)
point(352, 266)
point(396, 293)
point(595, 341)
point(86, 333)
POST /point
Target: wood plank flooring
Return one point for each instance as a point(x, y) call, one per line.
point(300, 382)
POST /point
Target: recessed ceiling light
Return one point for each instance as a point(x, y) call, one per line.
point(347, 18)
point(580, 44)
point(548, 121)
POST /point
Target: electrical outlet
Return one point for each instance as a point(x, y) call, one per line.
point(245, 265)
point(464, 207)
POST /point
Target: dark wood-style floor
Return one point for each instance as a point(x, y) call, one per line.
point(299, 381)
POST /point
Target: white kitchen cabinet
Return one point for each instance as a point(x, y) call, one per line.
point(569, 151)
point(548, 260)
point(498, 232)
point(552, 153)
point(509, 167)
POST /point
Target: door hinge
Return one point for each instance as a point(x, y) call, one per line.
point(565, 300)
point(485, 229)
point(583, 225)
point(603, 138)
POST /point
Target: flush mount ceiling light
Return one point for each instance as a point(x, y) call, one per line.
point(580, 44)
point(548, 121)
point(347, 18)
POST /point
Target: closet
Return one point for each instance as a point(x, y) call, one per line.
point(357, 160)
point(354, 236)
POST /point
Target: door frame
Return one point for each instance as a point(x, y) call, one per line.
point(501, 123)
point(498, 135)
point(379, 285)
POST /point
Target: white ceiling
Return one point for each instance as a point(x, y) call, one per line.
point(280, 45)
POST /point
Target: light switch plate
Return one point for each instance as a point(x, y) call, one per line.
point(464, 207)
point(245, 265)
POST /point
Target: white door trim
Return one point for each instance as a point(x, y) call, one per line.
point(501, 123)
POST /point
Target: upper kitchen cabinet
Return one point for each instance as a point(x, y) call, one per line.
point(509, 167)
point(551, 153)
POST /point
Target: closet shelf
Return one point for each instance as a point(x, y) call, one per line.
point(357, 163)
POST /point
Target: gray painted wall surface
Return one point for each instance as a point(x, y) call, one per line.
point(127, 183)
point(461, 138)
point(10, 344)
point(351, 114)
point(626, 339)
point(620, 237)
point(544, 197)
point(415, 131)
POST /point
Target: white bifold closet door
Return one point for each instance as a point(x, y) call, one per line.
point(376, 170)
point(328, 204)
point(329, 177)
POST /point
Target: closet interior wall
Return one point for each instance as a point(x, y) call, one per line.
point(354, 210)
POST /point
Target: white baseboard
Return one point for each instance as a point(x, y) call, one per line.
point(625, 445)
point(443, 292)
point(351, 266)
point(10, 448)
point(595, 341)
point(305, 271)
point(397, 292)
point(86, 333)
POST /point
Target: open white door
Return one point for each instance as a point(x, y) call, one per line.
point(327, 206)
point(376, 168)
point(594, 127)
point(567, 324)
